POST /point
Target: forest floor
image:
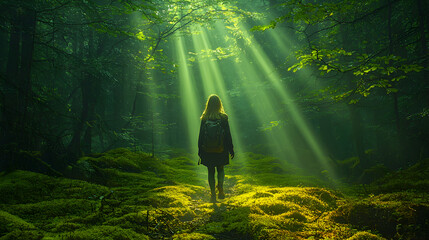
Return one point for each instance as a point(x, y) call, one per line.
point(129, 195)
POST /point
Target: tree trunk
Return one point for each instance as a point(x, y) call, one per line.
point(8, 141)
point(423, 25)
point(93, 91)
point(74, 147)
point(27, 47)
point(17, 85)
point(327, 133)
point(10, 88)
point(357, 135)
point(424, 29)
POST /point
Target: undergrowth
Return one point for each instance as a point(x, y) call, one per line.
point(129, 195)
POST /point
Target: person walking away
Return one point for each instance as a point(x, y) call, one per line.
point(215, 144)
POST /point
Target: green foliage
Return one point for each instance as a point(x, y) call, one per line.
point(271, 125)
point(337, 43)
point(371, 71)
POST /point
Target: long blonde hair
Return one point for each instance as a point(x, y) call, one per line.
point(214, 108)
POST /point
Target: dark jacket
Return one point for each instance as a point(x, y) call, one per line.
point(217, 159)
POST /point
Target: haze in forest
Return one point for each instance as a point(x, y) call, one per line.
point(334, 93)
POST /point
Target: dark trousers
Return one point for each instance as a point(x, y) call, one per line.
point(220, 178)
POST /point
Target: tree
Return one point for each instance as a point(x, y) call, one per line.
point(357, 52)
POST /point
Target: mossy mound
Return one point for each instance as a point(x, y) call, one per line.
point(365, 236)
point(103, 232)
point(123, 159)
point(174, 196)
point(399, 215)
point(258, 169)
point(47, 210)
point(274, 213)
point(414, 178)
point(13, 227)
point(122, 167)
point(23, 234)
point(192, 236)
point(29, 187)
point(9, 223)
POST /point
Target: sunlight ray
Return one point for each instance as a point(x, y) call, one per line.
point(262, 105)
point(213, 82)
point(273, 77)
point(188, 95)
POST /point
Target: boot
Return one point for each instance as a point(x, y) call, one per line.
point(221, 193)
point(213, 199)
point(213, 196)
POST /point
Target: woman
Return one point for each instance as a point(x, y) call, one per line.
point(211, 156)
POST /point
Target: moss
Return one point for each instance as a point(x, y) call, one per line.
point(45, 210)
point(263, 204)
point(260, 164)
point(192, 236)
point(123, 159)
point(134, 221)
point(23, 234)
point(174, 196)
point(115, 178)
point(276, 212)
point(229, 222)
point(297, 216)
point(385, 214)
point(103, 232)
point(365, 236)
point(270, 171)
point(67, 227)
point(373, 173)
point(29, 187)
point(88, 219)
point(9, 223)
point(413, 178)
point(278, 234)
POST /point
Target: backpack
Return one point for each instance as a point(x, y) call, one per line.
point(213, 136)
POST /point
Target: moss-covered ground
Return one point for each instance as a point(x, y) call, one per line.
point(129, 195)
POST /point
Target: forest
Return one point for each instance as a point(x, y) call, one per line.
point(327, 103)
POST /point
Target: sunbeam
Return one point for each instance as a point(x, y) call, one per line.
point(214, 82)
point(268, 69)
point(188, 95)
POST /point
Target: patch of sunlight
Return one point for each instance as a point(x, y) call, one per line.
point(193, 236)
point(175, 196)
